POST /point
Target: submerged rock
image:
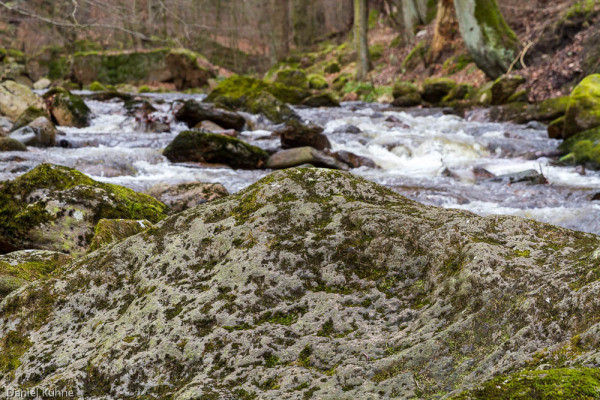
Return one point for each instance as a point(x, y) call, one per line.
point(311, 283)
point(213, 148)
point(113, 230)
point(21, 267)
point(182, 196)
point(56, 208)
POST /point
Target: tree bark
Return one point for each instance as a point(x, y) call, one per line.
point(491, 42)
point(361, 16)
point(415, 13)
point(445, 30)
point(279, 32)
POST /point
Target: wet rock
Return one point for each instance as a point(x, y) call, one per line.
point(211, 127)
point(67, 109)
point(192, 113)
point(354, 160)
point(530, 176)
point(56, 208)
point(22, 267)
point(583, 111)
point(313, 281)
point(596, 197)
point(303, 155)
point(435, 89)
point(521, 113)
point(406, 95)
point(321, 100)
point(583, 148)
point(10, 144)
point(482, 173)
point(16, 98)
point(297, 134)
point(182, 196)
point(212, 148)
point(28, 116)
point(39, 133)
point(5, 126)
point(109, 231)
point(504, 87)
point(347, 129)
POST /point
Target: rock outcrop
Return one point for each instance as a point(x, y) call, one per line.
point(313, 284)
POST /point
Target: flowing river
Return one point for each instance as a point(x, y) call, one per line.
point(425, 155)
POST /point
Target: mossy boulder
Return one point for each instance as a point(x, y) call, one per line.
point(97, 87)
point(67, 109)
point(10, 144)
point(583, 148)
point(406, 94)
point(21, 267)
point(504, 87)
point(332, 68)
point(15, 99)
point(180, 197)
point(321, 100)
point(258, 96)
point(520, 113)
point(583, 111)
point(340, 82)
point(192, 113)
point(109, 231)
point(317, 81)
point(56, 208)
point(217, 149)
point(315, 282)
point(459, 92)
point(435, 89)
point(292, 77)
point(185, 68)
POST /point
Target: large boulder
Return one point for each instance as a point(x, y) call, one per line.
point(504, 87)
point(217, 149)
point(406, 95)
point(314, 284)
point(193, 113)
point(39, 133)
point(583, 148)
point(16, 98)
point(68, 109)
point(435, 89)
point(583, 111)
point(297, 134)
point(184, 68)
point(56, 208)
point(182, 196)
point(21, 267)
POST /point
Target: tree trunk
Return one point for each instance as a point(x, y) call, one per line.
point(415, 13)
point(360, 37)
point(491, 42)
point(279, 32)
point(445, 30)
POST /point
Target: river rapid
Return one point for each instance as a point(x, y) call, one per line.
point(423, 154)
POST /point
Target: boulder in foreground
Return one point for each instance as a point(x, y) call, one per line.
point(314, 284)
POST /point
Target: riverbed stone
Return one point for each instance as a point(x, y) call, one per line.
point(56, 208)
point(521, 113)
point(304, 155)
point(180, 197)
point(16, 98)
point(311, 283)
point(213, 148)
point(583, 111)
point(68, 109)
point(38, 133)
point(28, 116)
point(297, 134)
point(193, 113)
point(10, 144)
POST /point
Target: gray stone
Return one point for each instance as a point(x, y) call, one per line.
point(303, 155)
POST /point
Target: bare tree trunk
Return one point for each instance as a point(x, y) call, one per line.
point(415, 13)
point(361, 12)
point(446, 27)
point(279, 32)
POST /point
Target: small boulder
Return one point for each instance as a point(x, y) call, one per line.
point(303, 155)
point(68, 109)
point(292, 77)
point(10, 144)
point(21, 267)
point(321, 100)
point(211, 127)
point(530, 176)
point(332, 68)
point(39, 133)
point(212, 148)
point(193, 112)
point(406, 95)
point(42, 84)
point(504, 87)
point(435, 89)
point(317, 81)
point(108, 231)
point(16, 98)
point(29, 115)
point(583, 111)
point(182, 196)
point(347, 128)
point(459, 92)
point(296, 134)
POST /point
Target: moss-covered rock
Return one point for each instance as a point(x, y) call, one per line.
point(406, 94)
point(317, 81)
point(15, 99)
point(435, 89)
point(213, 148)
point(180, 197)
point(39, 133)
point(10, 144)
point(56, 208)
point(321, 100)
point(21, 267)
point(583, 148)
point(292, 77)
point(108, 231)
point(341, 81)
point(332, 68)
point(504, 87)
point(459, 92)
point(67, 109)
point(184, 68)
point(317, 283)
point(97, 87)
point(583, 111)
point(520, 113)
